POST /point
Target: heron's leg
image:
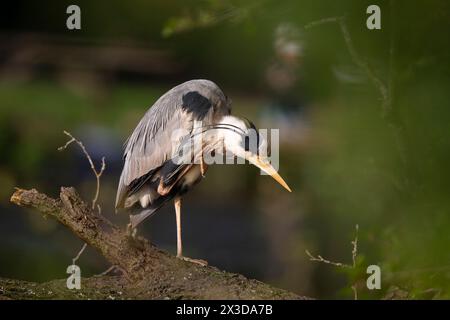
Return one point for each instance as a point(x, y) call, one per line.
point(179, 241)
point(131, 232)
point(178, 214)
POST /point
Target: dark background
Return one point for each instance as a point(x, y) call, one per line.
point(352, 155)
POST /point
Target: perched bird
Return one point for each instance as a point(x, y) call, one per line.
point(153, 173)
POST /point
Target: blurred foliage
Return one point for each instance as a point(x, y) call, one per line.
point(388, 174)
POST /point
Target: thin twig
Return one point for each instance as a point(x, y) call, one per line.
point(392, 49)
point(355, 292)
point(357, 59)
point(104, 273)
point(97, 173)
point(355, 246)
point(79, 253)
point(319, 258)
point(386, 91)
point(354, 243)
point(321, 21)
point(354, 256)
point(363, 64)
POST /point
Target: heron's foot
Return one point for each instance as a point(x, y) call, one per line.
point(203, 263)
point(131, 232)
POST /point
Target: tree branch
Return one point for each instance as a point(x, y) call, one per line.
point(147, 271)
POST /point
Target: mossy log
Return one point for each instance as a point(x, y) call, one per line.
point(147, 272)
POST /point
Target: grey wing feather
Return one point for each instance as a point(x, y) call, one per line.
point(150, 145)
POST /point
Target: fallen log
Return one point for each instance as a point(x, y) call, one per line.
point(147, 272)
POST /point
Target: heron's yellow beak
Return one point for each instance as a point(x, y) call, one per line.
point(265, 166)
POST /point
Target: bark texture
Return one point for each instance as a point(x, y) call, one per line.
point(148, 272)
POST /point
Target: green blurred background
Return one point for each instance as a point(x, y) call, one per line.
point(355, 151)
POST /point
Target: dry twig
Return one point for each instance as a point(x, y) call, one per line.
point(104, 273)
point(356, 57)
point(319, 258)
point(148, 272)
point(97, 173)
point(354, 243)
point(79, 253)
point(355, 246)
point(385, 88)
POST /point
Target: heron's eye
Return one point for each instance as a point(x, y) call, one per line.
point(246, 143)
point(254, 145)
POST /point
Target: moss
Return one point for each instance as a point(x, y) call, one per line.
point(117, 288)
point(148, 272)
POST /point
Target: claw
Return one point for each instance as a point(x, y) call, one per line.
point(131, 232)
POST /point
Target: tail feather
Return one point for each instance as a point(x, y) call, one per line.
point(136, 219)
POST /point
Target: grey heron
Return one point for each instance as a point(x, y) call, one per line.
point(150, 176)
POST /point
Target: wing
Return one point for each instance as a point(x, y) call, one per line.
point(174, 114)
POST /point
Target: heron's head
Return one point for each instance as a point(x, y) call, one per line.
point(241, 138)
